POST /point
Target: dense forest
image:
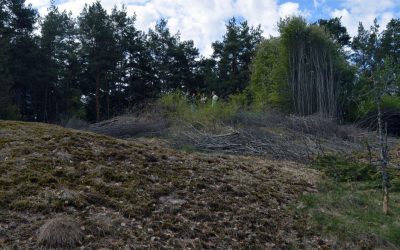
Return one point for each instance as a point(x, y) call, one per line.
point(99, 65)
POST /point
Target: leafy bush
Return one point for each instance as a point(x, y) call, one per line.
point(268, 86)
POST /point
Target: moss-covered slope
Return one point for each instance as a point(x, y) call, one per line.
point(140, 194)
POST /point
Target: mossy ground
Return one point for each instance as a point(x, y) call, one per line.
point(142, 195)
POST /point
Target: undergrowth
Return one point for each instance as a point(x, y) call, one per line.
point(180, 106)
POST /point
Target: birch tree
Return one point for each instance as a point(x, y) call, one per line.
point(384, 79)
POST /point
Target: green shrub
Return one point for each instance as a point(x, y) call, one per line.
point(268, 86)
point(177, 105)
point(343, 170)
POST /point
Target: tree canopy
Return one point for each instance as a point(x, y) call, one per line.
point(99, 65)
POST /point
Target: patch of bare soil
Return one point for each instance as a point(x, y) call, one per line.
point(138, 195)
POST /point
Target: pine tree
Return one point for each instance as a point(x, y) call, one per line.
point(174, 62)
point(19, 69)
point(337, 31)
point(97, 52)
point(233, 56)
point(60, 93)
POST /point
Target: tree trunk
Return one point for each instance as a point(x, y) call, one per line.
point(97, 95)
point(108, 100)
point(383, 156)
point(44, 118)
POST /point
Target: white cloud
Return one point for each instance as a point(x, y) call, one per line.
point(288, 9)
point(355, 11)
point(201, 21)
point(204, 21)
point(318, 3)
point(40, 5)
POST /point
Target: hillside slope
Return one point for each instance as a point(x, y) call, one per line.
point(140, 195)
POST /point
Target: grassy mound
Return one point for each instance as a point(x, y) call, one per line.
point(127, 193)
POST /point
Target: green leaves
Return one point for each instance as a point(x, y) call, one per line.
point(268, 76)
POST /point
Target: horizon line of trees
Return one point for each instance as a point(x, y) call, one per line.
point(99, 64)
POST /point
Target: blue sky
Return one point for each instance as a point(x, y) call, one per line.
point(203, 21)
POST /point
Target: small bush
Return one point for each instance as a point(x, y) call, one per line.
point(344, 170)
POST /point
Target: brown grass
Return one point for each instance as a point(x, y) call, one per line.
point(140, 193)
point(60, 232)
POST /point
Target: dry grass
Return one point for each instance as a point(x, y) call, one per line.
point(60, 232)
point(129, 193)
point(272, 135)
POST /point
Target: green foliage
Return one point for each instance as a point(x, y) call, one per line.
point(389, 101)
point(375, 56)
point(174, 60)
point(391, 40)
point(99, 64)
point(315, 66)
point(268, 85)
point(368, 105)
point(386, 80)
point(304, 70)
point(343, 170)
point(338, 32)
point(18, 60)
point(61, 95)
point(180, 106)
point(233, 56)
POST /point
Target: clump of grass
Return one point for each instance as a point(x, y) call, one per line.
point(348, 208)
point(60, 232)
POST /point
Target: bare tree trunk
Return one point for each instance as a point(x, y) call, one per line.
point(313, 79)
point(383, 155)
point(97, 95)
point(108, 100)
point(45, 104)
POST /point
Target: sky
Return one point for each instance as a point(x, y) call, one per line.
point(203, 21)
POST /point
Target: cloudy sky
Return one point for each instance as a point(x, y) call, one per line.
point(203, 21)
